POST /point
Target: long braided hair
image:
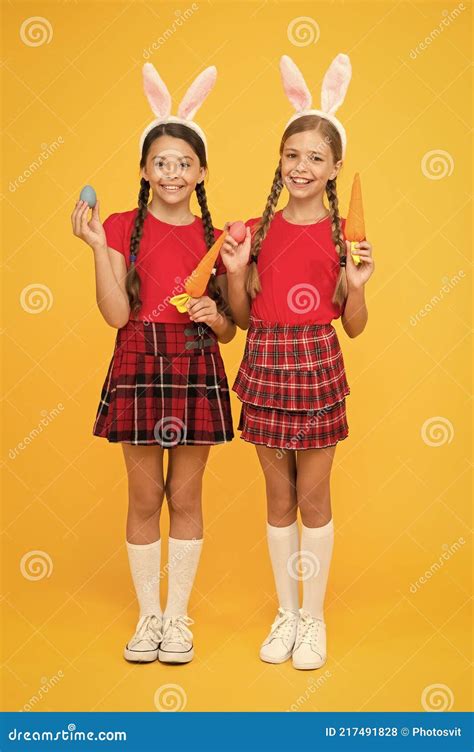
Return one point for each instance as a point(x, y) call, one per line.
point(132, 281)
point(332, 137)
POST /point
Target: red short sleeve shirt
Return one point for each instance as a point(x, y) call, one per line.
point(167, 256)
point(298, 266)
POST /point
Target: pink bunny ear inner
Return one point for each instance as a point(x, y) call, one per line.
point(156, 91)
point(197, 93)
point(294, 84)
point(335, 83)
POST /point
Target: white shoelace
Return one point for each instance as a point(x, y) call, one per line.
point(176, 629)
point(308, 630)
point(283, 626)
point(148, 629)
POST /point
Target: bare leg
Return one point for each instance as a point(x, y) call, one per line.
point(280, 481)
point(312, 485)
point(145, 492)
point(184, 490)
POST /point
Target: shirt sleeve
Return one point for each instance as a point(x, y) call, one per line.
point(113, 227)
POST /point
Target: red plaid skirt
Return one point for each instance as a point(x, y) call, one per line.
point(292, 383)
point(165, 385)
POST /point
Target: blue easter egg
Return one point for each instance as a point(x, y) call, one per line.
point(88, 194)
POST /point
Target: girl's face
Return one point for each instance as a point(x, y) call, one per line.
point(172, 169)
point(307, 164)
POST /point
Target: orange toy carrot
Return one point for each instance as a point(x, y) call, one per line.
point(355, 226)
point(196, 283)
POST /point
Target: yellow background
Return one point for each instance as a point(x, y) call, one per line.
point(399, 503)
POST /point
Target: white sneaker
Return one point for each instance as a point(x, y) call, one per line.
point(310, 646)
point(143, 647)
point(278, 646)
point(177, 643)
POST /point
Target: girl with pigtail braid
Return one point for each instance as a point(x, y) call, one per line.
point(166, 386)
point(287, 281)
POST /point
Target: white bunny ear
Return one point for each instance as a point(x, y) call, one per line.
point(294, 84)
point(197, 93)
point(156, 91)
point(335, 83)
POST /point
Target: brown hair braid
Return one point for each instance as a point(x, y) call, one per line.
point(253, 280)
point(132, 282)
point(214, 290)
point(331, 136)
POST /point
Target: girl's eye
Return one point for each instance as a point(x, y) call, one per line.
point(315, 158)
point(184, 165)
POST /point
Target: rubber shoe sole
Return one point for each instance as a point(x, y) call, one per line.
point(165, 656)
point(140, 656)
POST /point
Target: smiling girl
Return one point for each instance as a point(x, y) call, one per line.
point(166, 387)
point(292, 380)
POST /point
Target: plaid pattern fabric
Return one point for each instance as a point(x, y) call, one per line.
point(292, 383)
point(291, 367)
point(293, 430)
point(165, 385)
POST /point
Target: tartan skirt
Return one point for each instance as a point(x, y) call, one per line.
point(165, 385)
point(292, 384)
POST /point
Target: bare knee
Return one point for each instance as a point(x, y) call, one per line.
point(183, 498)
point(314, 504)
point(145, 502)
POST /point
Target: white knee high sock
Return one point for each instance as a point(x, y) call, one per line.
point(183, 560)
point(316, 552)
point(282, 544)
point(144, 563)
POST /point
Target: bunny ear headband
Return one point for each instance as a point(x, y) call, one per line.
point(333, 91)
point(160, 100)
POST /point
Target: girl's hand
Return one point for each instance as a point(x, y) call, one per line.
point(203, 310)
point(235, 256)
point(358, 274)
point(91, 232)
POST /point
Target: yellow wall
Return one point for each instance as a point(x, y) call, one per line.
point(400, 493)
